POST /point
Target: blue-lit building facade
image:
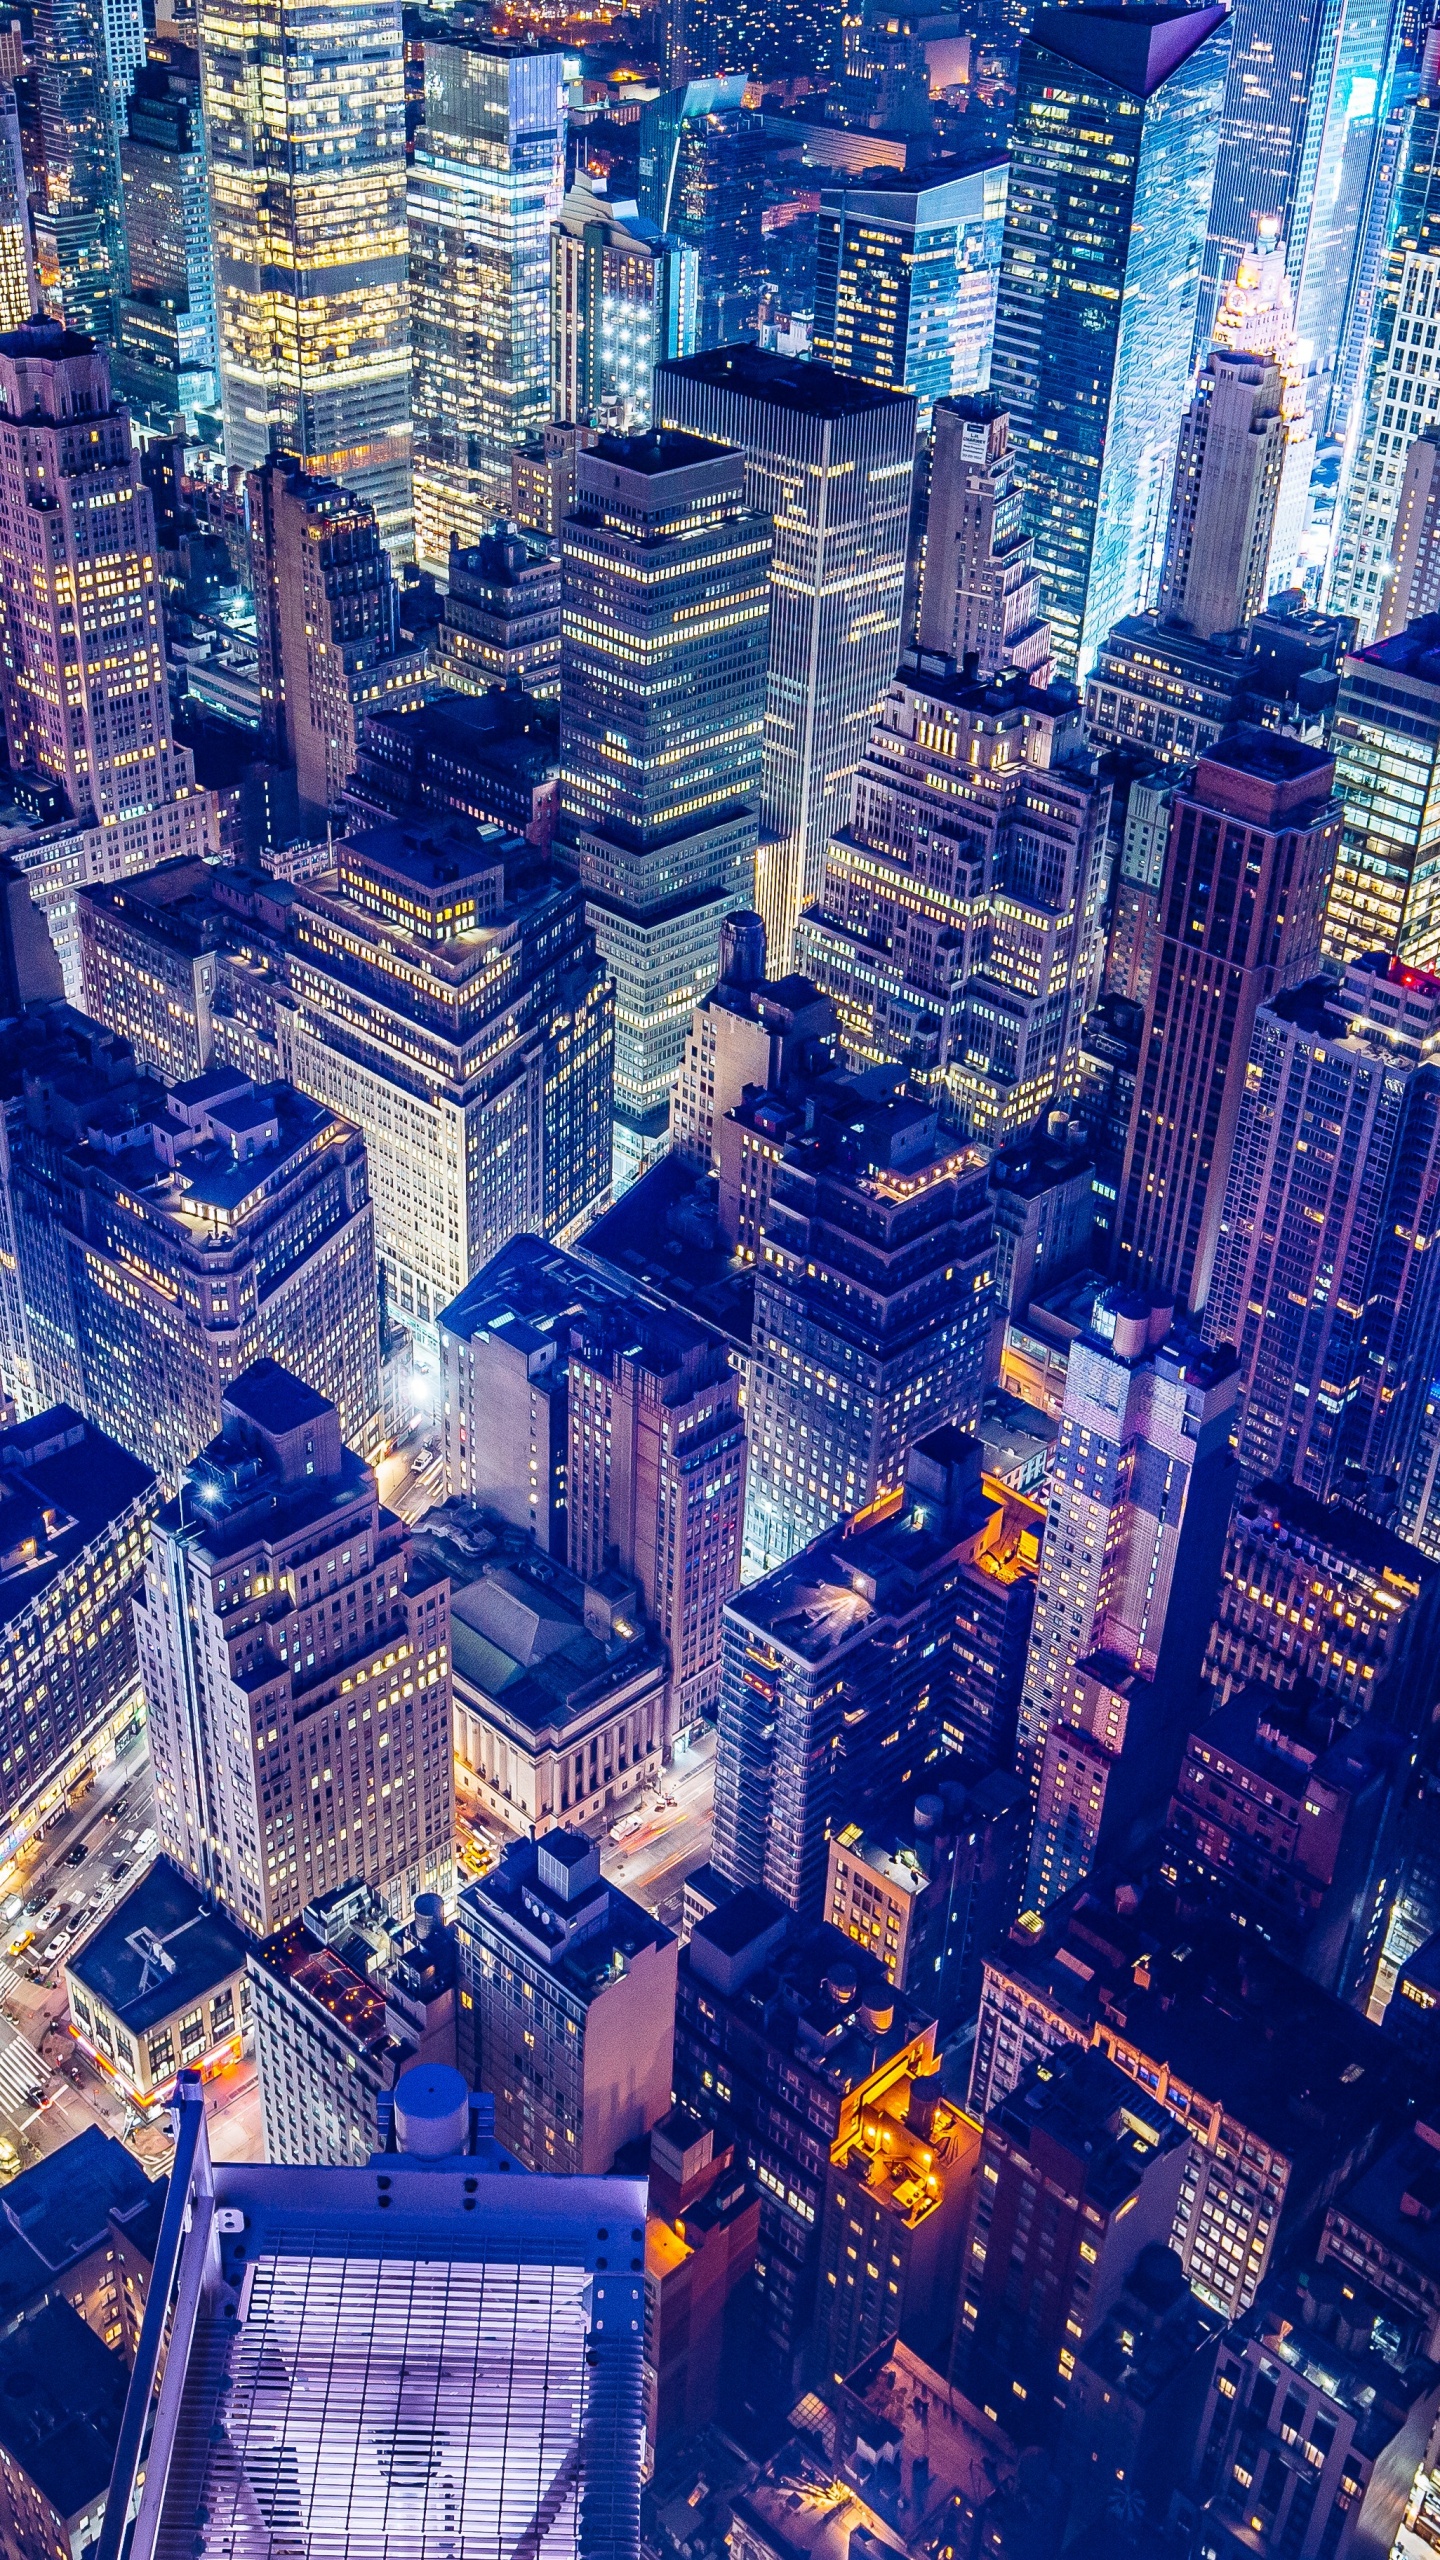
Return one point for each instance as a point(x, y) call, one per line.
point(1116, 125)
point(905, 273)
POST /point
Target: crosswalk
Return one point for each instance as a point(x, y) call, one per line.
point(22, 2075)
point(8, 1977)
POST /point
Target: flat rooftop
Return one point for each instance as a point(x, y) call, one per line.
point(161, 1950)
point(1231, 2023)
point(1413, 652)
point(296, 1957)
point(1285, 1512)
point(62, 2395)
point(659, 450)
point(56, 2212)
point(821, 1601)
point(62, 1483)
point(814, 390)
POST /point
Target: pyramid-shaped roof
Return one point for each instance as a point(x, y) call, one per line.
point(1136, 49)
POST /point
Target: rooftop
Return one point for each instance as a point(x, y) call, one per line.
point(62, 1483)
point(527, 1294)
point(1413, 652)
point(816, 390)
point(62, 2395)
point(526, 1634)
point(586, 1932)
point(873, 1566)
point(814, 1996)
point(1220, 2019)
point(655, 452)
point(1398, 2199)
point(1094, 2114)
point(274, 1399)
point(664, 1232)
point(161, 1950)
point(354, 2004)
point(1152, 2331)
point(798, 2510)
point(1286, 1515)
point(911, 2442)
point(56, 2212)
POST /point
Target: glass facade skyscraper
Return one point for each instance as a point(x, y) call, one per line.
point(832, 460)
point(905, 278)
point(666, 612)
point(305, 124)
point(1403, 392)
point(1116, 125)
point(79, 249)
point(623, 297)
point(484, 188)
point(166, 362)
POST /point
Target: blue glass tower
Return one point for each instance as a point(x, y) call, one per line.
point(1116, 125)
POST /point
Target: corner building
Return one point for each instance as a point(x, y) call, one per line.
point(295, 1661)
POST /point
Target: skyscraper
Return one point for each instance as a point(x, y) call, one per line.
point(1228, 468)
point(80, 1508)
point(1111, 2167)
point(502, 615)
point(296, 1668)
point(484, 187)
point(305, 130)
point(1412, 588)
point(1403, 386)
point(959, 930)
point(624, 297)
point(1309, 1218)
point(655, 1480)
point(1254, 833)
point(980, 587)
point(444, 982)
point(87, 708)
point(666, 610)
point(1114, 143)
point(235, 1223)
point(1386, 740)
point(1140, 1493)
point(1278, 59)
point(79, 246)
point(19, 288)
point(837, 1673)
point(872, 1311)
point(1257, 317)
point(327, 616)
point(567, 2004)
point(831, 459)
point(166, 359)
point(905, 278)
point(1348, 96)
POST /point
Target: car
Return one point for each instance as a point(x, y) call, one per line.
point(77, 1856)
point(57, 1946)
point(37, 1903)
point(120, 1868)
point(627, 1826)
